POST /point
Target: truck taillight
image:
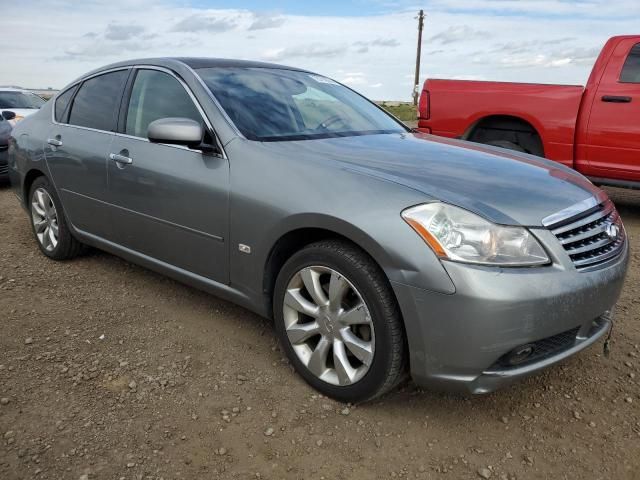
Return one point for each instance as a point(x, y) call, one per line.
point(424, 106)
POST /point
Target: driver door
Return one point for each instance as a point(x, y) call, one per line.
point(169, 202)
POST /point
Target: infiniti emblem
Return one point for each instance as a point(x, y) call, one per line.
point(612, 231)
point(328, 324)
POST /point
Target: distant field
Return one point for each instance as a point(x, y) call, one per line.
point(404, 111)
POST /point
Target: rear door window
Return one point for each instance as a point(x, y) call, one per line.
point(62, 102)
point(631, 69)
point(97, 101)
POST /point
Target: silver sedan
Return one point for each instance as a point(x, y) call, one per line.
point(377, 251)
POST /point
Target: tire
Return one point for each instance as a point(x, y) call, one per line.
point(507, 144)
point(366, 309)
point(45, 211)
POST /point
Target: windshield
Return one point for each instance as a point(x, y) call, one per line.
point(20, 100)
point(270, 104)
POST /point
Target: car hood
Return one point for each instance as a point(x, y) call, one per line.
point(505, 187)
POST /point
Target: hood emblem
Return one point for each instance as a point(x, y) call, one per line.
point(612, 231)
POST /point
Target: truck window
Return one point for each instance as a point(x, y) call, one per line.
point(631, 69)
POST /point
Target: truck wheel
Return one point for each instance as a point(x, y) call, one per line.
point(507, 144)
point(339, 323)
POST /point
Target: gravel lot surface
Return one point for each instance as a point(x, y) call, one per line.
point(109, 371)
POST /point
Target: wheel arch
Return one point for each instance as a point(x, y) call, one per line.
point(514, 128)
point(294, 239)
point(29, 178)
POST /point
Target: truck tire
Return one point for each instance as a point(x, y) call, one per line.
point(506, 144)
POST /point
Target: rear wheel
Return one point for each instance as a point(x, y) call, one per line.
point(49, 225)
point(339, 323)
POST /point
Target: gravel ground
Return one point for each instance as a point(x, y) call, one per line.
point(109, 371)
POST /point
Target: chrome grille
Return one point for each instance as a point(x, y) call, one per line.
point(593, 236)
point(4, 169)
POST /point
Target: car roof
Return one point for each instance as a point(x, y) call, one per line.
point(182, 65)
point(204, 62)
point(191, 62)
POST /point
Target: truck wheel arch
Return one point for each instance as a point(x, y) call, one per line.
point(507, 128)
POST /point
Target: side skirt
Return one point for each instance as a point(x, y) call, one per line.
point(220, 290)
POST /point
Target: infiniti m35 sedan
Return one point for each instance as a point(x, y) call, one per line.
point(378, 252)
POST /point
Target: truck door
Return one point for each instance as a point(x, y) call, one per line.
point(613, 136)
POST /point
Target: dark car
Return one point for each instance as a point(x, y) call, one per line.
point(376, 251)
point(5, 134)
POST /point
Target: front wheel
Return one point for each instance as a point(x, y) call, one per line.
point(338, 321)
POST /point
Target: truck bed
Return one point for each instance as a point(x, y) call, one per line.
point(454, 106)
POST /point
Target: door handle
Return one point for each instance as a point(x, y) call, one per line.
point(616, 99)
point(120, 159)
point(54, 142)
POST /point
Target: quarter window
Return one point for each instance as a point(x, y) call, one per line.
point(157, 95)
point(631, 69)
point(96, 103)
point(62, 102)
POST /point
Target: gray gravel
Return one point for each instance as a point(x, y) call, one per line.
point(109, 371)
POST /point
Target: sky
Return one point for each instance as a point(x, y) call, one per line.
point(368, 45)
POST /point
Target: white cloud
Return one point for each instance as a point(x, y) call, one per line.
point(304, 51)
point(354, 79)
point(204, 23)
point(514, 40)
point(458, 33)
point(122, 32)
point(262, 22)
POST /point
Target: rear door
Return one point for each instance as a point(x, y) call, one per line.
point(85, 117)
point(613, 141)
point(169, 202)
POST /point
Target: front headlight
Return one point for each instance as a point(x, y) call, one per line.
point(462, 236)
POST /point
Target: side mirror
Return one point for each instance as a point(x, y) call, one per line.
point(176, 131)
point(8, 115)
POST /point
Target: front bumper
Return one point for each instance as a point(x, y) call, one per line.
point(458, 341)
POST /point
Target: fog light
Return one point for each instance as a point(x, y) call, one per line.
point(520, 355)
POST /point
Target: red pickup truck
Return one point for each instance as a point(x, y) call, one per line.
point(594, 129)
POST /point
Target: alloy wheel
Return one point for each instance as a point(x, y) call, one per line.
point(329, 326)
point(45, 219)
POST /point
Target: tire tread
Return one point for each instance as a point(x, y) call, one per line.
point(68, 246)
point(396, 370)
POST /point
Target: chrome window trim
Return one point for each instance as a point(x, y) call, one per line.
point(180, 147)
point(205, 119)
point(575, 209)
point(80, 82)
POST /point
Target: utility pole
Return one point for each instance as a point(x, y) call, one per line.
point(416, 86)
